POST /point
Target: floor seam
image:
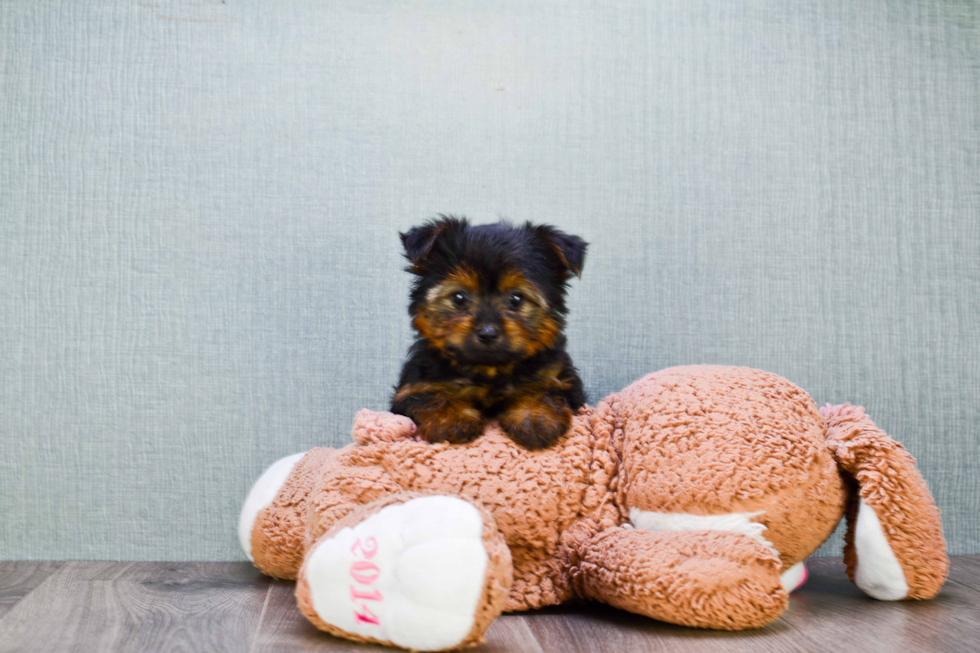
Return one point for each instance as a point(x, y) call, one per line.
point(258, 627)
point(961, 584)
point(44, 582)
point(786, 619)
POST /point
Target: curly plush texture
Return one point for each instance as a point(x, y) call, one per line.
point(889, 482)
point(535, 496)
point(279, 534)
point(707, 445)
point(710, 440)
point(707, 579)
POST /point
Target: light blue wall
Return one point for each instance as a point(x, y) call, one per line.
point(199, 265)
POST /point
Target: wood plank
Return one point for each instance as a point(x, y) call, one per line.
point(231, 607)
point(511, 633)
point(138, 607)
point(19, 578)
point(965, 570)
point(835, 615)
point(596, 628)
point(284, 629)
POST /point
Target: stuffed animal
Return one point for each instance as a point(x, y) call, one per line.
point(692, 496)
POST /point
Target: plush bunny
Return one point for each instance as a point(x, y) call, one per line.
point(692, 496)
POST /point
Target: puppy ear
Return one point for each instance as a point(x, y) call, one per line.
point(419, 241)
point(569, 249)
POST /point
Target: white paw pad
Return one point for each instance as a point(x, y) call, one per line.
point(794, 577)
point(411, 574)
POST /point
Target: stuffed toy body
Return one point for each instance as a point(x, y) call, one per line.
point(692, 496)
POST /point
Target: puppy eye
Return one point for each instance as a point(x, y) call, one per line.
point(515, 300)
point(459, 299)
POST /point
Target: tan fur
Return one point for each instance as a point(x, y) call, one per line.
point(450, 408)
point(437, 320)
point(531, 328)
point(536, 412)
point(704, 440)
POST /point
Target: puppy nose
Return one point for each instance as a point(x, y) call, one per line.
point(488, 333)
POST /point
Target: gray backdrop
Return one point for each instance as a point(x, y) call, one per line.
point(199, 262)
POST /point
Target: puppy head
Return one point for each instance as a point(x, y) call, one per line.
point(490, 294)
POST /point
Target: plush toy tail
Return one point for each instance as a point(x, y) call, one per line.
point(894, 543)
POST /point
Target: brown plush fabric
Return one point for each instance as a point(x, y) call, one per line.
point(702, 440)
point(496, 584)
point(710, 440)
point(278, 536)
point(708, 579)
point(534, 495)
point(889, 483)
point(714, 436)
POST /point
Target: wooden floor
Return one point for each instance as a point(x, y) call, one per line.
point(97, 606)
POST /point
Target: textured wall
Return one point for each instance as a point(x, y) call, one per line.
point(199, 267)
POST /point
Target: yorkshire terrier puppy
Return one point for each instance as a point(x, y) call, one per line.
point(488, 303)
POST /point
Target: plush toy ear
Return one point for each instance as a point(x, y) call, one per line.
point(420, 241)
point(894, 547)
point(569, 249)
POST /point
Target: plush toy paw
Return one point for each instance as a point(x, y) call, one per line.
point(793, 578)
point(372, 426)
point(423, 572)
point(262, 494)
point(272, 524)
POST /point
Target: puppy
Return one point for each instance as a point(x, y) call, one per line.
point(488, 304)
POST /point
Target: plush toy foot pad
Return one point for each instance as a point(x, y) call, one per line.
point(794, 577)
point(412, 574)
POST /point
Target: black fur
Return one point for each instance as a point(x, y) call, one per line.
point(452, 380)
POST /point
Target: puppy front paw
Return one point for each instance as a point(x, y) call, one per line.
point(441, 412)
point(452, 424)
point(538, 422)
